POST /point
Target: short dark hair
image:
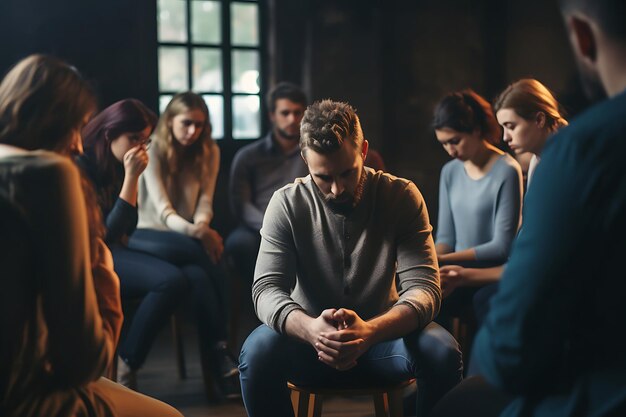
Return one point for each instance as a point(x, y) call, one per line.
point(610, 15)
point(465, 111)
point(286, 90)
point(327, 124)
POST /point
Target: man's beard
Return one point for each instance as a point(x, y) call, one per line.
point(345, 203)
point(592, 86)
point(287, 136)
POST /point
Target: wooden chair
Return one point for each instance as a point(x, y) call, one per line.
point(308, 401)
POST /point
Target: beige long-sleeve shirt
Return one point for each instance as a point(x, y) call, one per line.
point(312, 258)
point(177, 202)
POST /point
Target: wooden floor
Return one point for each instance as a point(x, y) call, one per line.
point(159, 378)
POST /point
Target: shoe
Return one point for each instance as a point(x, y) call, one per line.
point(230, 387)
point(227, 370)
point(227, 365)
point(125, 375)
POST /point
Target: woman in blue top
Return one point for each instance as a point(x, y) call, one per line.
point(480, 195)
point(529, 115)
point(115, 155)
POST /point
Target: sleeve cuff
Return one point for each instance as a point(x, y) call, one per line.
point(281, 319)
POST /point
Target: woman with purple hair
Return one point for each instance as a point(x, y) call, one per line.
point(115, 143)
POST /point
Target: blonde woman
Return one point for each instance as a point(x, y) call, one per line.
point(175, 212)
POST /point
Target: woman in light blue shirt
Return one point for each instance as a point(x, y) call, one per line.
point(480, 191)
point(529, 115)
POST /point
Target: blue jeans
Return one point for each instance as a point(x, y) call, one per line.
point(268, 360)
point(207, 280)
point(159, 285)
point(242, 245)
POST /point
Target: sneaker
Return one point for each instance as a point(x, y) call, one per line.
point(125, 375)
point(227, 370)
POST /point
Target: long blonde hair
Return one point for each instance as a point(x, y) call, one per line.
point(173, 155)
point(527, 97)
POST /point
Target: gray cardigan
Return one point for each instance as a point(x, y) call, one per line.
point(313, 259)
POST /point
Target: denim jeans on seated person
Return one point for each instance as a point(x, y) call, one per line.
point(208, 284)
point(242, 245)
point(268, 360)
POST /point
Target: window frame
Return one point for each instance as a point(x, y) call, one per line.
point(226, 48)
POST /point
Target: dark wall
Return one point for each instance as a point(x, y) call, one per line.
point(392, 60)
point(113, 42)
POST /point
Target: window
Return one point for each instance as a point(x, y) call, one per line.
point(214, 49)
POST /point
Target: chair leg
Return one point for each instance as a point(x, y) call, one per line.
point(235, 306)
point(303, 405)
point(206, 364)
point(380, 404)
point(178, 346)
point(295, 396)
point(395, 403)
point(318, 401)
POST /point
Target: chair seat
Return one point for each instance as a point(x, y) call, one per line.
point(387, 398)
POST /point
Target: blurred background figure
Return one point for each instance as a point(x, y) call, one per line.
point(115, 143)
point(175, 211)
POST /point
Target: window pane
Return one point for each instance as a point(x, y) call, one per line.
point(244, 28)
point(216, 114)
point(172, 21)
point(246, 117)
point(207, 70)
point(173, 69)
point(164, 100)
point(245, 72)
point(206, 22)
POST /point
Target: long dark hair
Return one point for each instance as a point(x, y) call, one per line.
point(126, 116)
point(465, 111)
